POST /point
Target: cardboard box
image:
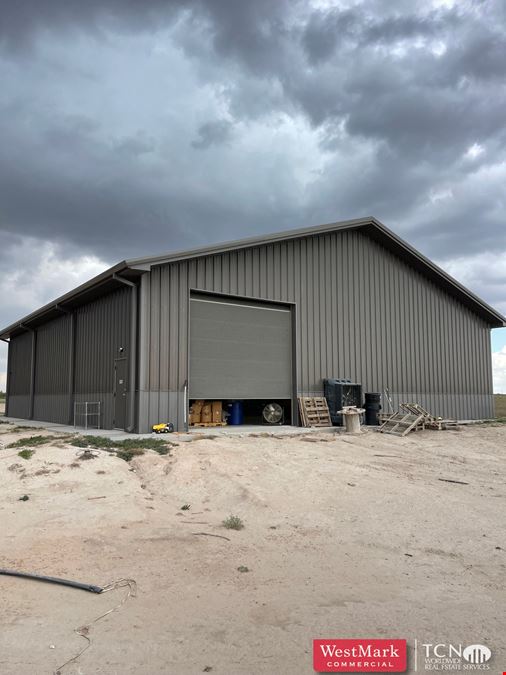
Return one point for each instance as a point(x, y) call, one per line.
point(197, 406)
point(194, 417)
point(217, 410)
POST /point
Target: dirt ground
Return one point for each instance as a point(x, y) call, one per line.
point(344, 536)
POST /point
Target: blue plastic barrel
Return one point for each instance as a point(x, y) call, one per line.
point(236, 412)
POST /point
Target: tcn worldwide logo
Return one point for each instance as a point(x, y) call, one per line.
point(458, 657)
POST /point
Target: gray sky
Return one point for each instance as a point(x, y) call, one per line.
point(131, 128)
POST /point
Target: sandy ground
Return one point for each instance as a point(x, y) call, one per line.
point(345, 536)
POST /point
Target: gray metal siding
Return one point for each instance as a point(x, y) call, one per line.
point(362, 313)
point(102, 329)
point(20, 350)
point(51, 393)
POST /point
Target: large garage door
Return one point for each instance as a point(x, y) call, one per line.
point(239, 350)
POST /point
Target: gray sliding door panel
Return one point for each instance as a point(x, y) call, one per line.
point(239, 350)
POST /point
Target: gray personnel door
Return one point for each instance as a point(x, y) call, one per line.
point(239, 349)
point(120, 393)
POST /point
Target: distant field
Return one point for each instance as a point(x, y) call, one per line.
point(500, 405)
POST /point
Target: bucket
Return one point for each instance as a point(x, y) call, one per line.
point(236, 413)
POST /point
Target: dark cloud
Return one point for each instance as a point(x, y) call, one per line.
point(130, 127)
point(326, 30)
point(23, 21)
point(213, 133)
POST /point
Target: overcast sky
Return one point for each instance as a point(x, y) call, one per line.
point(136, 127)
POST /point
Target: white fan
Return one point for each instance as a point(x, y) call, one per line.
point(273, 413)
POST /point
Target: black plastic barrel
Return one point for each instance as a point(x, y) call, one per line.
point(372, 407)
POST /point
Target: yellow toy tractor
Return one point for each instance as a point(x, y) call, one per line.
point(164, 428)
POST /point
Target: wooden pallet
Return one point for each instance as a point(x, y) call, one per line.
point(314, 411)
point(401, 423)
point(208, 424)
point(428, 421)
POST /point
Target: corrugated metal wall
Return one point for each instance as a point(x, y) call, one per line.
point(19, 376)
point(102, 328)
point(362, 313)
point(51, 400)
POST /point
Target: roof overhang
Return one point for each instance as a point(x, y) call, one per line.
point(369, 226)
point(132, 269)
point(105, 282)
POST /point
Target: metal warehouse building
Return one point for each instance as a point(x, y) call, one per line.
point(264, 319)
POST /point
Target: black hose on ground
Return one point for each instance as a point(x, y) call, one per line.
point(53, 580)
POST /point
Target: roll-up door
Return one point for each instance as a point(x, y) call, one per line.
point(239, 350)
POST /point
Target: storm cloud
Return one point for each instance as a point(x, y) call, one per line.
point(130, 128)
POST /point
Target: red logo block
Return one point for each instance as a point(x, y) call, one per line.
point(359, 656)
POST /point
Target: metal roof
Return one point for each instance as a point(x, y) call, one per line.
point(370, 226)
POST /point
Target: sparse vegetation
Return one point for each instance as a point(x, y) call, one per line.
point(233, 523)
point(92, 442)
point(243, 568)
point(500, 411)
point(162, 447)
point(185, 507)
point(127, 455)
point(162, 450)
point(26, 453)
point(33, 441)
point(87, 454)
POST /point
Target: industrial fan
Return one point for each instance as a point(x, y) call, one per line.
point(273, 413)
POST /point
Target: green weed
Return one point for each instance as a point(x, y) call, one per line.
point(127, 455)
point(162, 447)
point(33, 441)
point(26, 454)
point(233, 523)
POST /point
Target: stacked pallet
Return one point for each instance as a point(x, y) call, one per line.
point(314, 411)
point(413, 417)
point(428, 421)
point(205, 414)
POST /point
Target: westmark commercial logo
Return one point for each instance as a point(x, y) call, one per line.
point(359, 656)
